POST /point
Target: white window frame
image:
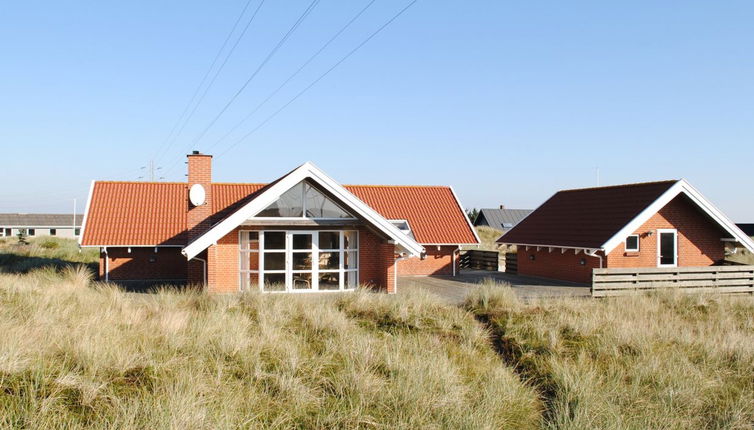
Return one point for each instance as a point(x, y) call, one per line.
point(638, 245)
point(659, 247)
point(343, 273)
point(303, 209)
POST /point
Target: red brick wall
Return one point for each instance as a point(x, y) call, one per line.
point(698, 238)
point(376, 258)
point(556, 264)
point(143, 264)
point(222, 262)
point(436, 263)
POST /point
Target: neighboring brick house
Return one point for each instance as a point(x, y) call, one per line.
point(61, 225)
point(303, 232)
point(654, 224)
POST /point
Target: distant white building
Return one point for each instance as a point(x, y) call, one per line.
point(60, 225)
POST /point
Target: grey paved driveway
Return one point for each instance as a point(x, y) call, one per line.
point(455, 289)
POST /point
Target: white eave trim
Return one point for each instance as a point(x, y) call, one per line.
point(306, 171)
point(542, 245)
point(679, 187)
point(86, 213)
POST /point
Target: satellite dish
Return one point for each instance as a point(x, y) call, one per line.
point(197, 195)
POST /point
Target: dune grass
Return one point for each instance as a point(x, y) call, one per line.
point(44, 251)
point(665, 361)
point(79, 354)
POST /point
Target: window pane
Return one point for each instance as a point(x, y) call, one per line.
point(329, 260)
point(302, 281)
point(53, 232)
point(329, 240)
point(632, 243)
point(274, 281)
point(249, 281)
point(274, 240)
point(302, 261)
point(667, 248)
point(351, 260)
point(250, 240)
point(350, 240)
point(302, 241)
point(290, 204)
point(329, 281)
point(351, 279)
point(252, 261)
point(319, 206)
point(274, 261)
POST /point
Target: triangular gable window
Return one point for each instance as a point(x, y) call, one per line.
point(303, 200)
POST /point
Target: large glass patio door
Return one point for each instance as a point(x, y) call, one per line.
point(300, 262)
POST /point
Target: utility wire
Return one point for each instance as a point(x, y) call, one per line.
point(344, 58)
point(183, 119)
point(306, 63)
point(259, 68)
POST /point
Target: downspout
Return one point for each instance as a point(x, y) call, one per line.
point(107, 265)
point(454, 259)
point(402, 256)
point(204, 269)
point(594, 254)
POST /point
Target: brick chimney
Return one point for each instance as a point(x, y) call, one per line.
point(199, 172)
point(502, 206)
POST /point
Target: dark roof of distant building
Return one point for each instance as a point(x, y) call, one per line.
point(39, 220)
point(747, 228)
point(502, 219)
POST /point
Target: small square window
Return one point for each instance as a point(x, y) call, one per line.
point(632, 243)
point(53, 232)
point(77, 232)
point(30, 232)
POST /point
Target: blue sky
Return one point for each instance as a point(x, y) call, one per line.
point(506, 101)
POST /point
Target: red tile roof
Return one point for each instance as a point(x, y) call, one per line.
point(585, 218)
point(144, 213)
point(136, 213)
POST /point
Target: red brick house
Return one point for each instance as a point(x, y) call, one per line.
point(303, 232)
point(656, 224)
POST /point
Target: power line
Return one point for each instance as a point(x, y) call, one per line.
point(183, 119)
point(344, 58)
point(259, 68)
point(306, 63)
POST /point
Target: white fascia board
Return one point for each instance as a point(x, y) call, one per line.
point(86, 213)
point(269, 196)
point(463, 211)
point(679, 187)
point(540, 245)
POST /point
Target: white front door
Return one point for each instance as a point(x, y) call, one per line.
point(667, 248)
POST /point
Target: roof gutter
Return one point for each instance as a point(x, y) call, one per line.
point(593, 253)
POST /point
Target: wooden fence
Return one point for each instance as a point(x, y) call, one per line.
point(715, 279)
point(511, 263)
point(480, 260)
